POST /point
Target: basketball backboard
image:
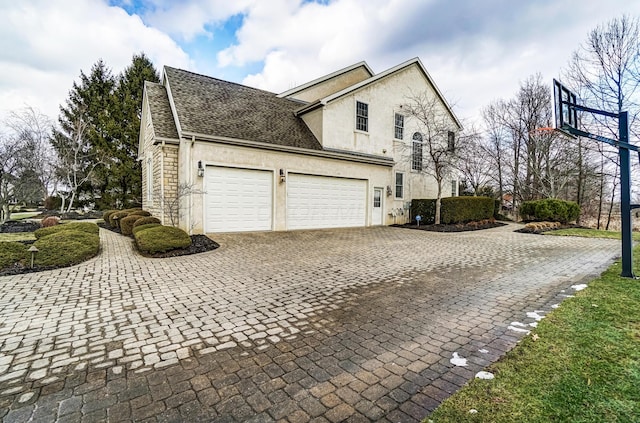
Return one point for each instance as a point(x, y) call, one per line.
point(565, 115)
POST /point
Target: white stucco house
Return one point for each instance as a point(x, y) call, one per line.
point(334, 152)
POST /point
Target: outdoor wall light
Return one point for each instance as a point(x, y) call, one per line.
point(200, 168)
point(389, 191)
point(283, 178)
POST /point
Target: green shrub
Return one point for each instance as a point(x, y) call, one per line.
point(162, 239)
point(146, 221)
point(114, 218)
point(138, 211)
point(11, 253)
point(454, 209)
point(139, 228)
point(106, 215)
point(87, 227)
point(52, 203)
point(550, 209)
point(65, 248)
point(126, 223)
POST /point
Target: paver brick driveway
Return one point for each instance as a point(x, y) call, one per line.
point(329, 325)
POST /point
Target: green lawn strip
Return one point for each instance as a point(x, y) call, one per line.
point(23, 215)
point(590, 233)
point(17, 236)
point(585, 366)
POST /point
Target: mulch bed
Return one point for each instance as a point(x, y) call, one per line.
point(199, 244)
point(14, 226)
point(471, 226)
point(526, 230)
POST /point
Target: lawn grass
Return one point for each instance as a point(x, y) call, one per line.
point(590, 233)
point(17, 236)
point(583, 367)
point(23, 215)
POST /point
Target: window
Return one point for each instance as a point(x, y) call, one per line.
point(451, 141)
point(399, 185)
point(399, 127)
point(416, 152)
point(362, 116)
point(377, 198)
point(454, 188)
point(149, 179)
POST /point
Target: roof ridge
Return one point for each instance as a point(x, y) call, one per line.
point(220, 80)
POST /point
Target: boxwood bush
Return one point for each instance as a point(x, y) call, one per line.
point(146, 221)
point(107, 214)
point(161, 239)
point(139, 228)
point(11, 253)
point(87, 227)
point(454, 209)
point(549, 209)
point(126, 223)
point(65, 248)
point(114, 218)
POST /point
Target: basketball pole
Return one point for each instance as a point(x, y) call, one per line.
point(625, 196)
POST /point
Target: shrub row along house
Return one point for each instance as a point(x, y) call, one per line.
point(335, 152)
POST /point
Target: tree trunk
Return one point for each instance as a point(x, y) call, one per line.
point(438, 203)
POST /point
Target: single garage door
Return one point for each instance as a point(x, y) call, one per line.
point(325, 202)
point(238, 200)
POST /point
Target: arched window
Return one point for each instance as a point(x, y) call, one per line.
point(416, 152)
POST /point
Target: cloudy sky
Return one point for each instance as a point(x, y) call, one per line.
point(476, 50)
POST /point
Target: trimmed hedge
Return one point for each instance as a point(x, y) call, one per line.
point(107, 214)
point(140, 212)
point(86, 227)
point(12, 252)
point(65, 248)
point(126, 223)
point(161, 239)
point(114, 218)
point(550, 209)
point(454, 209)
point(146, 221)
point(137, 229)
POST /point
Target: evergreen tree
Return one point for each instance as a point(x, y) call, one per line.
point(107, 110)
point(90, 106)
point(125, 174)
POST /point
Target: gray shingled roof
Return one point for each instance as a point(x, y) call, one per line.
point(210, 106)
point(163, 124)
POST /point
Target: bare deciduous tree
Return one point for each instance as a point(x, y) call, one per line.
point(438, 132)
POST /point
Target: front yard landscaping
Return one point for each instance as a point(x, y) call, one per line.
point(455, 227)
point(61, 245)
point(581, 364)
point(152, 239)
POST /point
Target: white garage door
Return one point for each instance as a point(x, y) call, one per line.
point(325, 202)
point(238, 199)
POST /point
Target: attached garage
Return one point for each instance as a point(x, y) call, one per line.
point(325, 202)
point(238, 199)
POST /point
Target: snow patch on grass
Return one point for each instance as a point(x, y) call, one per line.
point(484, 375)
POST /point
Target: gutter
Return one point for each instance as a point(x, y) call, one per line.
point(330, 154)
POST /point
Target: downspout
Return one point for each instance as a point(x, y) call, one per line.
point(190, 171)
point(162, 220)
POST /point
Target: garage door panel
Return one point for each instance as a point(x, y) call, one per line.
point(238, 199)
point(325, 202)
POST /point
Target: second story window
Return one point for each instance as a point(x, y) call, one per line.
point(362, 116)
point(451, 141)
point(399, 127)
point(416, 152)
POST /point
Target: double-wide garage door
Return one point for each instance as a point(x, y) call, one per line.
point(242, 200)
point(325, 202)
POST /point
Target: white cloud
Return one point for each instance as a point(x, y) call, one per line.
point(476, 51)
point(45, 44)
point(188, 19)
